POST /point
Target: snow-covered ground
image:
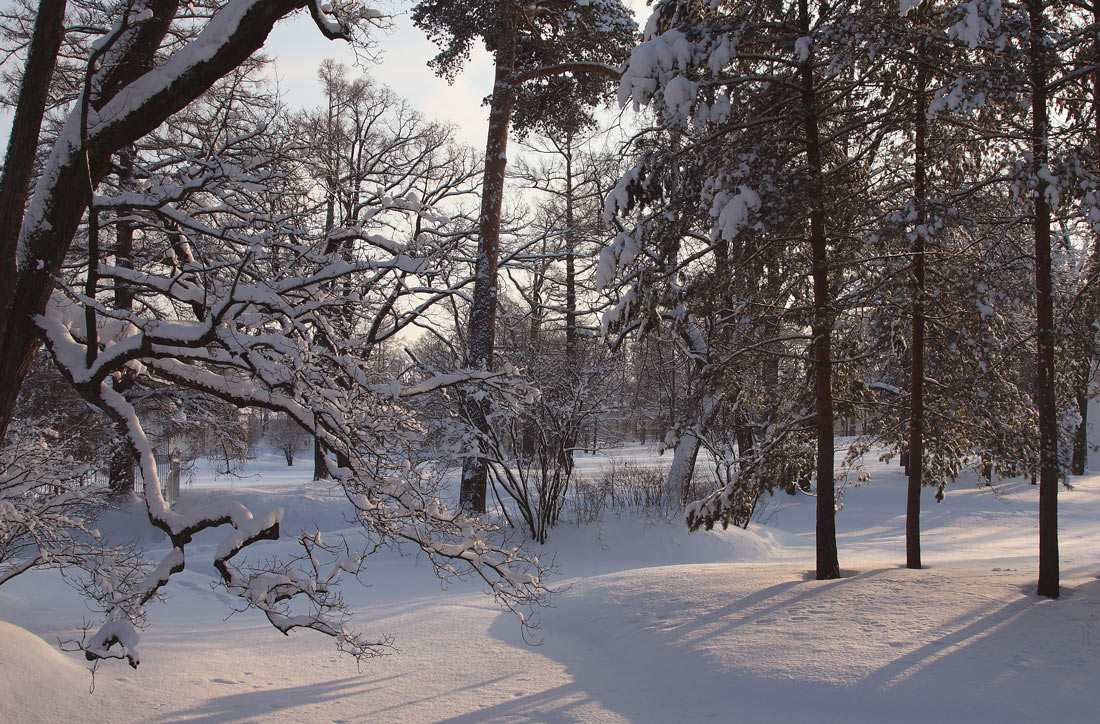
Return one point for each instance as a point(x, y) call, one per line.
point(649, 625)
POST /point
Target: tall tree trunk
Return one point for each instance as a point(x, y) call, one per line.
point(682, 468)
point(916, 371)
point(746, 444)
point(1044, 310)
point(121, 481)
point(319, 470)
point(571, 357)
point(483, 311)
point(827, 564)
point(18, 341)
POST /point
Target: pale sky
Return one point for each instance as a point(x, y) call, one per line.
point(298, 48)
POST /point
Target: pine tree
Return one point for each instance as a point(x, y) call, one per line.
point(552, 60)
point(767, 171)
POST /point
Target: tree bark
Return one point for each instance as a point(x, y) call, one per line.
point(320, 472)
point(570, 263)
point(483, 311)
point(16, 354)
point(916, 371)
point(121, 481)
point(571, 355)
point(1044, 311)
point(746, 444)
point(828, 566)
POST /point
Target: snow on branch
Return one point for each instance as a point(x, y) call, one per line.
point(232, 288)
point(264, 313)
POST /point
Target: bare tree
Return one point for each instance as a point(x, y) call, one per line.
point(287, 436)
point(365, 146)
point(230, 295)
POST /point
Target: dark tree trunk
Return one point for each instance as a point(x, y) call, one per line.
point(570, 264)
point(483, 311)
point(319, 470)
point(986, 469)
point(1044, 312)
point(121, 481)
point(746, 446)
point(571, 355)
point(18, 342)
point(827, 564)
point(916, 371)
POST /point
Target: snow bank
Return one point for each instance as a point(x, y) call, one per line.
point(40, 682)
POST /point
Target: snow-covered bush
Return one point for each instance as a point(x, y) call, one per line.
point(49, 501)
point(531, 444)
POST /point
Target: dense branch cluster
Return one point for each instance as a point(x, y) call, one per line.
point(181, 223)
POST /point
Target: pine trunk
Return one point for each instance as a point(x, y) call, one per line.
point(483, 310)
point(916, 371)
point(1044, 313)
point(828, 566)
point(121, 482)
point(570, 264)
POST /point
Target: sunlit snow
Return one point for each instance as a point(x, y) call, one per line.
point(649, 624)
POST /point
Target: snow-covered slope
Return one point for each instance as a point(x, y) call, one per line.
point(649, 625)
point(40, 682)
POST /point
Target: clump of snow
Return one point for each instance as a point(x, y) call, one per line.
point(960, 97)
point(980, 18)
point(652, 64)
point(1052, 191)
point(904, 6)
point(802, 48)
point(732, 212)
point(679, 95)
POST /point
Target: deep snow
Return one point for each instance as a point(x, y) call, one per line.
point(650, 625)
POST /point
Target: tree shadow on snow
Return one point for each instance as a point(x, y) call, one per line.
point(1000, 657)
point(1014, 662)
point(254, 703)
